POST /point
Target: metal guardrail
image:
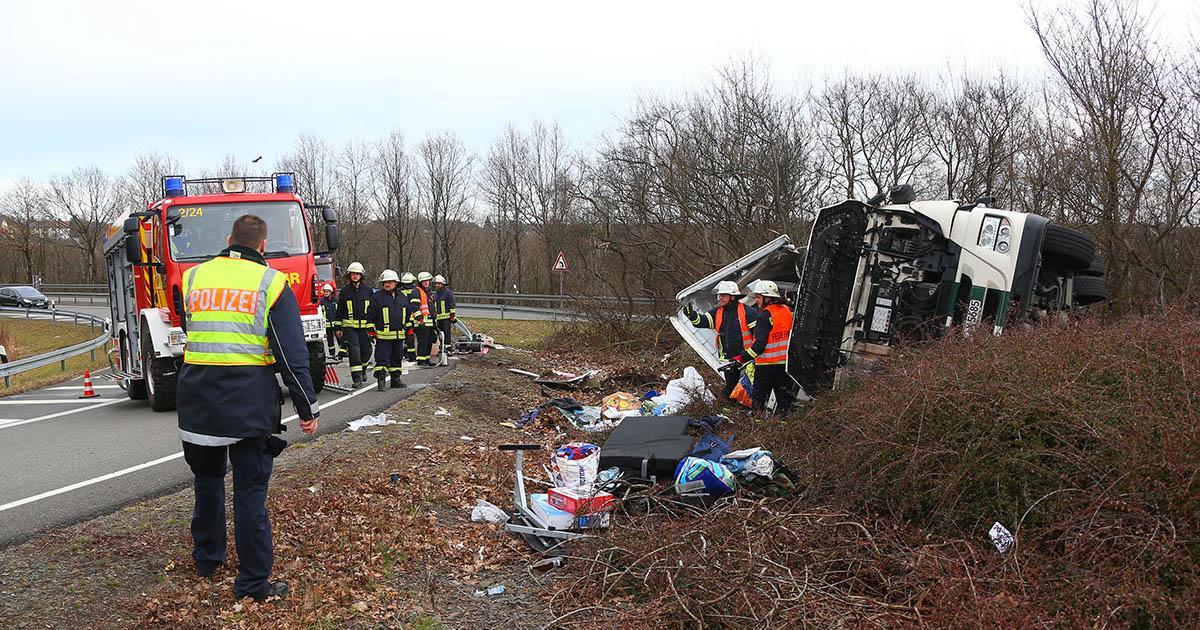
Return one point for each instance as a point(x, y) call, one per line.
point(60, 356)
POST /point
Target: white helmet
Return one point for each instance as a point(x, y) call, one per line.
point(387, 275)
point(727, 286)
point(439, 279)
point(423, 276)
point(355, 267)
point(766, 288)
point(327, 287)
point(408, 278)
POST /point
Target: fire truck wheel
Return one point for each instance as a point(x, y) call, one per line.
point(159, 380)
point(316, 365)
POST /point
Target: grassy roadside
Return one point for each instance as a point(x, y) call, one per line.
point(30, 337)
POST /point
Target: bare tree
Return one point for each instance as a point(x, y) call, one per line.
point(142, 183)
point(313, 163)
point(22, 223)
point(89, 201)
point(444, 185)
point(353, 194)
point(394, 198)
point(1113, 80)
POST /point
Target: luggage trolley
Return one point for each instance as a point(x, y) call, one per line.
point(524, 521)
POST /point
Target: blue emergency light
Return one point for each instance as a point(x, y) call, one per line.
point(173, 187)
point(284, 183)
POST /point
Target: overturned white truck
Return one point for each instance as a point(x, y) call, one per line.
point(891, 269)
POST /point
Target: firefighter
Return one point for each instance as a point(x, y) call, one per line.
point(425, 325)
point(354, 323)
point(733, 322)
point(391, 317)
point(444, 309)
point(329, 310)
point(243, 325)
point(772, 331)
point(408, 287)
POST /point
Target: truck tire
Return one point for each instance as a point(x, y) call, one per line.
point(1088, 290)
point(1068, 249)
point(136, 388)
point(160, 376)
point(316, 365)
point(1096, 268)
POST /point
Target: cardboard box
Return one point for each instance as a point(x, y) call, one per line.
point(577, 501)
point(559, 519)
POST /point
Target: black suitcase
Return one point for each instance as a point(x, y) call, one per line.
point(648, 446)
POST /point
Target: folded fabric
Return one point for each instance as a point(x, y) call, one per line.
point(753, 461)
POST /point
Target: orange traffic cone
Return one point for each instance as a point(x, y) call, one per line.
point(88, 392)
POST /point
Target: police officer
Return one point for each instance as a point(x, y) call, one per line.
point(354, 323)
point(243, 325)
point(329, 310)
point(408, 287)
point(772, 332)
point(425, 325)
point(733, 322)
point(391, 316)
point(444, 308)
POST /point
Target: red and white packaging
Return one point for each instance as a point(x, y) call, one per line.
point(577, 501)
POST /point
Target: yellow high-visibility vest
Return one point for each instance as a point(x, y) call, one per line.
point(226, 304)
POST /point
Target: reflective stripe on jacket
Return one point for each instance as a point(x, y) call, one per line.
point(391, 314)
point(423, 297)
point(226, 303)
point(776, 350)
point(353, 304)
point(443, 302)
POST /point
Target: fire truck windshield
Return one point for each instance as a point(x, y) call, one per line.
point(202, 229)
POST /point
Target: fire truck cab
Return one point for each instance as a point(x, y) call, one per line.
point(147, 252)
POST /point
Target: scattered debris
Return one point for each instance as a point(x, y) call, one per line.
point(314, 488)
point(486, 512)
point(466, 438)
point(422, 448)
point(369, 421)
point(491, 591)
point(575, 465)
point(524, 373)
point(1001, 537)
point(441, 411)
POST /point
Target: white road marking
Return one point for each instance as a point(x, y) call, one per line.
point(48, 401)
point(62, 413)
point(149, 464)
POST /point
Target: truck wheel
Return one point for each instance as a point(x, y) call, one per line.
point(1097, 266)
point(316, 365)
point(159, 378)
point(136, 388)
point(1088, 290)
point(1068, 249)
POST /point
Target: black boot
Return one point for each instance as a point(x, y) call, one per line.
point(382, 378)
point(274, 589)
point(396, 384)
point(357, 380)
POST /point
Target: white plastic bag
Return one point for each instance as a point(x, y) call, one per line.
point(575, 473)
point(485, 512)
point(681, 391)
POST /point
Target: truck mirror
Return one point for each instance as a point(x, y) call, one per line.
point(130, 226)
point(331, 235)
point(328, 215)
point(133, 248)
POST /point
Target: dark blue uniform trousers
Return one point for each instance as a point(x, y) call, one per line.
point(252, 465)
point(358, 345)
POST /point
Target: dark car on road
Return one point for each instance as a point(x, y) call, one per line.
point(23, 297)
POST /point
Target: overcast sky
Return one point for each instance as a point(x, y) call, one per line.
point(95, 82)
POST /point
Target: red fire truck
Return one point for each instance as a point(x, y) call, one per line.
point(148, 251)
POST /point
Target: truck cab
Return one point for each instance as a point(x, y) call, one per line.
point(893, 269)
point(147, 253)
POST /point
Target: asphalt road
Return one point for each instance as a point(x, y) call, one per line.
point(63, 459)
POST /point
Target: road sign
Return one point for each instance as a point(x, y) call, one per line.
point(560, 263)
